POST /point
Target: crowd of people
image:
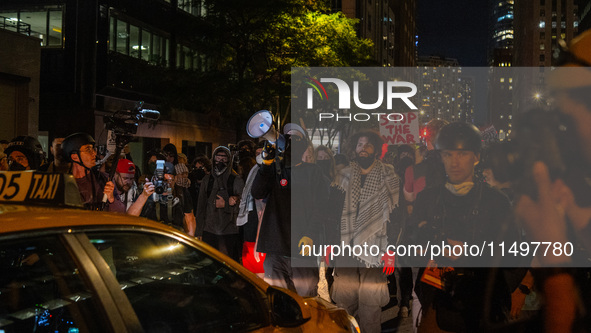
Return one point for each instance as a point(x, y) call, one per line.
point(449, 190)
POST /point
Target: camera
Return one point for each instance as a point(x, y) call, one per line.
point(158, 180)
point(126, 122)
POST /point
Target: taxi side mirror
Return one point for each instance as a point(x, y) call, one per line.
point(286, 311)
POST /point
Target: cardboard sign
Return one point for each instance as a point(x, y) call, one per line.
point(404, 131)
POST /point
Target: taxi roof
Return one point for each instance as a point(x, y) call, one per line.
point(19, 217)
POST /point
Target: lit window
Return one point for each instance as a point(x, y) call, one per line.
point(502, 79)
point(542, 24)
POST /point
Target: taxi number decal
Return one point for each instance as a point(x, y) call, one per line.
point(20, 186)
point(14, 185)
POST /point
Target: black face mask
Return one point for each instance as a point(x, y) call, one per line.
point(324, 166)
point(365, 162)
point(244, 154)
point(15, 166)
point(220, 166)
point(296, 147)
point(199, 174)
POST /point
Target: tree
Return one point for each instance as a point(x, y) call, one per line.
point(254, 44)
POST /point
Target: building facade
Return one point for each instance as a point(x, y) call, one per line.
point(100, 57)
point(444, 92)
point(390, 24)
point(500, 84)
point(538, 25)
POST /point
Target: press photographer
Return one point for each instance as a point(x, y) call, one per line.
point(169, 204)
point(93, 185)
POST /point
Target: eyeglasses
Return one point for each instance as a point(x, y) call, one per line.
point(88, 150)
point(562, 55)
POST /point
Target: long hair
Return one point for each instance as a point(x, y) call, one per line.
point(332, 171)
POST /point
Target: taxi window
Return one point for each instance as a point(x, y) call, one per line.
point(174, 287)
point(41, 289)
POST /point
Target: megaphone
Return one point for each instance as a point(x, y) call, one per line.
point(260, 124)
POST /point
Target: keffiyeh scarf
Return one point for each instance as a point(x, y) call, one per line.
point(367, 209)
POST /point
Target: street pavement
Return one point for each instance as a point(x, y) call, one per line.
point(390, 320)
point(392, 323)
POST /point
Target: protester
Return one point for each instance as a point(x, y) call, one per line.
point(3, 162)
point(182, 171)
point(324, 158)
point(217, 210)
point(171, 153)
point(59, 164)
point(286, 264)
point(250, 212)
point(200, 167)
point(24, 153)
point(371, 193)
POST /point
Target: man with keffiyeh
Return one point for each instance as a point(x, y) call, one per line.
point(371, 193)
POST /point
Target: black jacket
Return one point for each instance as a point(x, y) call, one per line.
point(295, 198)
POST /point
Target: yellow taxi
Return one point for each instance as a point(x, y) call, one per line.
point(72, 270)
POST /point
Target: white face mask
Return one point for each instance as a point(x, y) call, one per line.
point(259, 159)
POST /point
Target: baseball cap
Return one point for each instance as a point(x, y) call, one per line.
point(125, 166)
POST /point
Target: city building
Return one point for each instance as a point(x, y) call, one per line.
point(19, 85)
point(391, 25)
point(539, 25)
point(444, 93)
point(500, 100)
point(100, 57)
point(584, 15)
point(500, 84)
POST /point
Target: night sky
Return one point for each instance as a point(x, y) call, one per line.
point(454, 29)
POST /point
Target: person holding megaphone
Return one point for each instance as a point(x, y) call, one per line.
point(288, 226)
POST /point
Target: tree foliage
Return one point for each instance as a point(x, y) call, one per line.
point(252, 46)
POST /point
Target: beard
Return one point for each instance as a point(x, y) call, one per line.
point(365, 161)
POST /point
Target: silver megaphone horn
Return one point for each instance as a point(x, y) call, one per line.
point(260, 124)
